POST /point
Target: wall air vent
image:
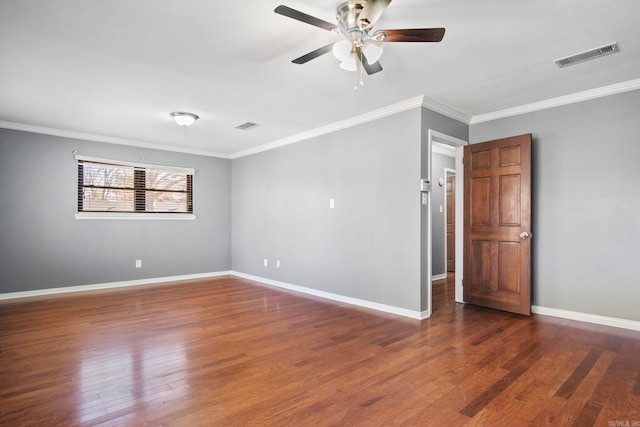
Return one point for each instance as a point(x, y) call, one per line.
point(587, 55)
point(246, 126)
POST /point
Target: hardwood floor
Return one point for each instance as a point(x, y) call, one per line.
point(229, 352)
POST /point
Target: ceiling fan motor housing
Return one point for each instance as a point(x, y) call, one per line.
point(347, 16)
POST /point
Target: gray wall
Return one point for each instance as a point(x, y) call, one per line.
point(586, 203)
point(586, 211)
point(438, 199)
point(44, 246)
point(368, 247)
point(372, 246)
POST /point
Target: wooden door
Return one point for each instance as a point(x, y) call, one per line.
point(451, 223)
point(497, 224)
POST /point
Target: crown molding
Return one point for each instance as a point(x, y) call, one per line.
point(419, 101)
point(107, 139)
point(446, 110)
point(558, 101)
point(416, 102)
point(333, 127)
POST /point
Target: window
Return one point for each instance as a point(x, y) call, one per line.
point(106, 186)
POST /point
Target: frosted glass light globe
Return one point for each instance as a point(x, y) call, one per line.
point(342, 50)
point(372, 51)
point(350, 63)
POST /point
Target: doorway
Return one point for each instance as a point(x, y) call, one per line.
point(442, 140)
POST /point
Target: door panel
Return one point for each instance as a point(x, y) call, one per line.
point(481, 198)
point(509, 267)
point(497, 185)
point(481, 264)
point(509, 213)
point(481, 160)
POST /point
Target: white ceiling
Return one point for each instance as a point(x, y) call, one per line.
point(117, 68)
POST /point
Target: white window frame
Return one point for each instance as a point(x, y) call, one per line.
point(135, 215)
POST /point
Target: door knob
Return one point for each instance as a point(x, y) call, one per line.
point(524, 235)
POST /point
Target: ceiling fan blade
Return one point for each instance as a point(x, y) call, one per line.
point(313, 54)
point(369, 68)
point(412, 35)
point(303, 17)
point(371, 12)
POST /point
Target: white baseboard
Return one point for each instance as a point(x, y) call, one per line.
point(340, 298)
point(439, 277)
point(586, 317)
point(413, 314)
point(112, 285)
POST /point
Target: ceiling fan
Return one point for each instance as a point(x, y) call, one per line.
point(356, 19)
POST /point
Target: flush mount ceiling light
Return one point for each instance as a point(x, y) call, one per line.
point(184, 119)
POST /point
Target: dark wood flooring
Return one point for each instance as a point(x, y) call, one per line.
point(230, 352)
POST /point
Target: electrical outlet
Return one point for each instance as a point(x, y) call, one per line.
point(138, 263)
point(266, 262)
point(278, 264)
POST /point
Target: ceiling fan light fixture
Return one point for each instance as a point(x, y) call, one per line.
point(342, 50)
point(350, 63)
point(372, 51)
point(355, 22)
point(184, 119)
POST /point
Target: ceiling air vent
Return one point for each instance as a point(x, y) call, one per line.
point(246, 126)
point(587, 55)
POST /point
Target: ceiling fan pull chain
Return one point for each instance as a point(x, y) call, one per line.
point(361, 72)
point(355, 79)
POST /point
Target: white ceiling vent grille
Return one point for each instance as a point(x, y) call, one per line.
point(246, 126)
point(587, 55)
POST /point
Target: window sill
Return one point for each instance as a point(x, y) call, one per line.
point(135, 216)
